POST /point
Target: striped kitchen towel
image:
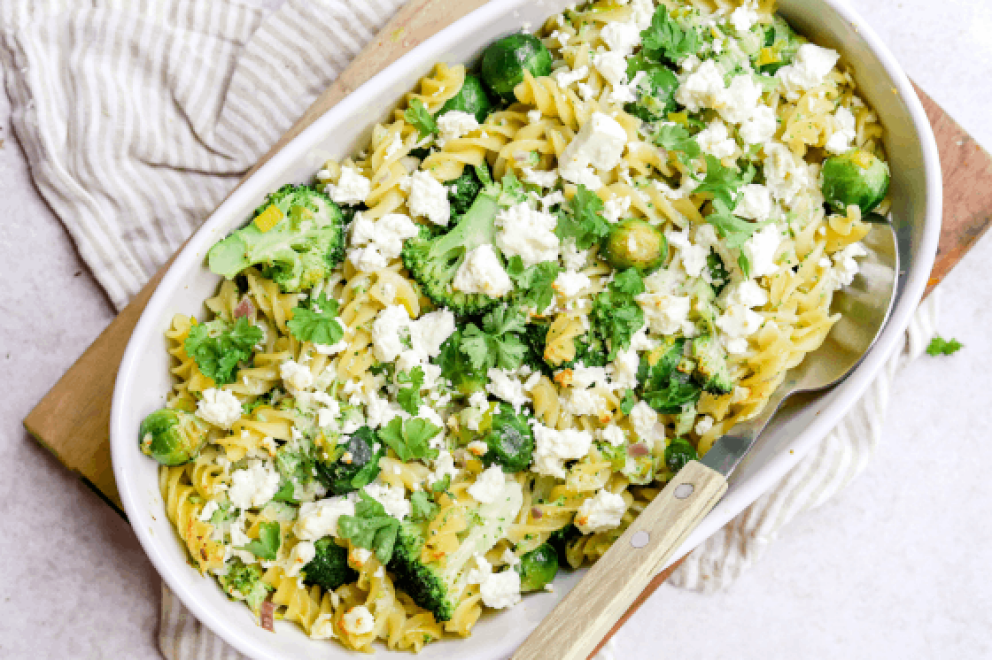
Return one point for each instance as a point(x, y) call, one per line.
point(138, 116)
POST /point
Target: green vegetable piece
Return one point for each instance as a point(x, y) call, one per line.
point(667, 385)
point(537, 568)
point(370, 528)
point(422, 506)
point(711, 365)
point(582, 219)
point(409, 438)
point(504, 63)
point(217, 347)
point(266, 546)
point(498, 343)
point(940, 346)
point(329, 567)
point(719, 276)
point(318, 322)
point(409, 396)
point(299, 251)
point(417, 116)
point(781, 44)
point(172, 437)
point(534, 285)
point(352, 465)
point(461, 193)
point(590, 351)
point(471, 98)
point(244, 582)
point(616, 316)
point(666, 39)
point(678, 453)
point(457, 367)
point(655, 92)
point(561, 539)
point(510, 441)
point(857, 177)
point(634, 243)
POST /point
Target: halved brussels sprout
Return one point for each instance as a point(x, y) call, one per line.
point(655, 91)
point(538, 568)
point(172, 437)
point(504, 62)
point(471, 98)
point(857, 177)
point(635, 244)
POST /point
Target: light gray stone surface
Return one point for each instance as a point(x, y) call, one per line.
point(896, 567)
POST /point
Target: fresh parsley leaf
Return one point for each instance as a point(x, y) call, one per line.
point(676, 138)
point(217, 347)
point(422, 507)
point(222, 514)
point(409, 438)
point(628, 402)
point(616, 316)
point(267, 544)
point(666, 389)
point(940, 346)
point(628, 282)
point(513, 191)
point(665, 38)
point(317, 323)
point(285, 493)
point(734, 231)
point(534, 284)
point(583, 219)
point(370, 528)
point(441, 485)
point(409, 397)
point(497, 344)
point(417, 116)
point(723, 182)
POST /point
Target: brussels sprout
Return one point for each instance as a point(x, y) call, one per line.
point(471, 98)
point(678, 453)
point(510, 441)
point(857, 177)
point(172, 437)
point(655, 92)
point(504, 63)
point(635, 244)
point(537, 568)
point(352, 465)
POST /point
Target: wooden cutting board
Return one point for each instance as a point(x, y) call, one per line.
point(73, 419)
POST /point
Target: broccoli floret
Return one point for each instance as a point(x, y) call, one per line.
point(678, 453)
point(297, 236)
point(471, 98)
point(711, 365)
point(457, 368)
point(504, 63)
point(329, 567)
point(656, 91)
point(349, 467)
point(510, 441)
point(634, 243)
point(244, 582)
point(538, 568)
point(434, 261)
point(462, 192)
point(440, 584)
point(172, 437)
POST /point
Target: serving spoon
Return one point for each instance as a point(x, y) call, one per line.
point(586, 614)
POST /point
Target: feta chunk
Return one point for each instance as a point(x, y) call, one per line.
point(845, 266)
point(739, 321)
point(600, 513)
point(747, 293)
point(716, 141)
point(760, 250)
point(488, 486)
point(785, 175)
point(844, 133)
point(481, 272)
point(539, 178)
point(455, 123)
point(738, 102)
point(301, 555)
point(665, 314)
point(704, 425)
point(568, 284)
point(702, 88)
point(645, 421)
point(527, 233)
point(429, 198)
point(501, 590)
point(600, 143)
point(295, 376)
point(390, 331)
point(743, 18)
point(612, 66)
point(624, 369)
point(430, 331)
point(504, 385)
point(621, 37)
point(754, 202)
point(810, 68)
point(760, 127)
point(391, 498)
point(254, 485)
point(352, 187)
point(616, 207)
point(319, 519)
point(553, 448)
point(613, 434)
point(219, 407)
point(377, 242)
point(358, 621)
point(565, 76)
point(693, 257)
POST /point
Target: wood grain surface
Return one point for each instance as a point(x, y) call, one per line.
point(73, 419)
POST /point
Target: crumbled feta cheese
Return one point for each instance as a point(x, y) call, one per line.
point(600, 513)
point(481, 272)
point(295, 376)
point(488, 485)
point(743, 18)
point(390, 331)
point(624, 369)
point(665, 314)
point(600, 143)
point(428, 197)
point(760, 250)
point(301, 555)
point(584, 402)
point(219, 407)
point(754, 202)
point(539, 178)
point(319, 519)
point(569, 283)
point(645, 421)
point(845, 267)
point(358, 621)
point(391, 498)
point(572, 256)
point(582, 376)
point(785, 175)
point(613, 434)
point(377, 242)
point(527, 233)
point(394, 147)
point(582, 176)
point(553, 448)
point(704, 425)
point(444, 466)
point(430, 331)
point(454, 123)
point(716, 141)
point(747, 293)
point(327, 415)
point(761, 127)
point(810, 68)
point(738, 102)
point(352, 187)
point(616, 207)
point(612, 66)
point(693, 257)
point(845, 132)
point(621, 37)
point(254, 485)
point(503, 385)
point(209, 509)
point(501, 590)
point(739, 321)
point(565, 76)
point(702, 88)
point(534, 116)
point(478, 449)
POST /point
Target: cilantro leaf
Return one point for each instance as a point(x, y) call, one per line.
point(583, 219)
point(723, 182)
point(318, 323)
point(628, 402)
point(534, 284)
point(497, 344)
point(417, 116)
point(370, 528)
point(285, 493)
point(409, 397)
point(676, 138)
point(667, 389)
point(665, 38)
point(409, 438)
point(267, 544)
point(616, 316)
point(513, 191)
point(422, 507)
point(734, 231)
point(940, 346)
point(441, 485)
point(217, 347)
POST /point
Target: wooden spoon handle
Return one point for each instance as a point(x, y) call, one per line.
point(575, 627)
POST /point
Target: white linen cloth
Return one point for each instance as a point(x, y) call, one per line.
point(138, 116)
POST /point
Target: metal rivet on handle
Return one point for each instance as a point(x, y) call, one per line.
point(639, 539)
point(684, 491)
